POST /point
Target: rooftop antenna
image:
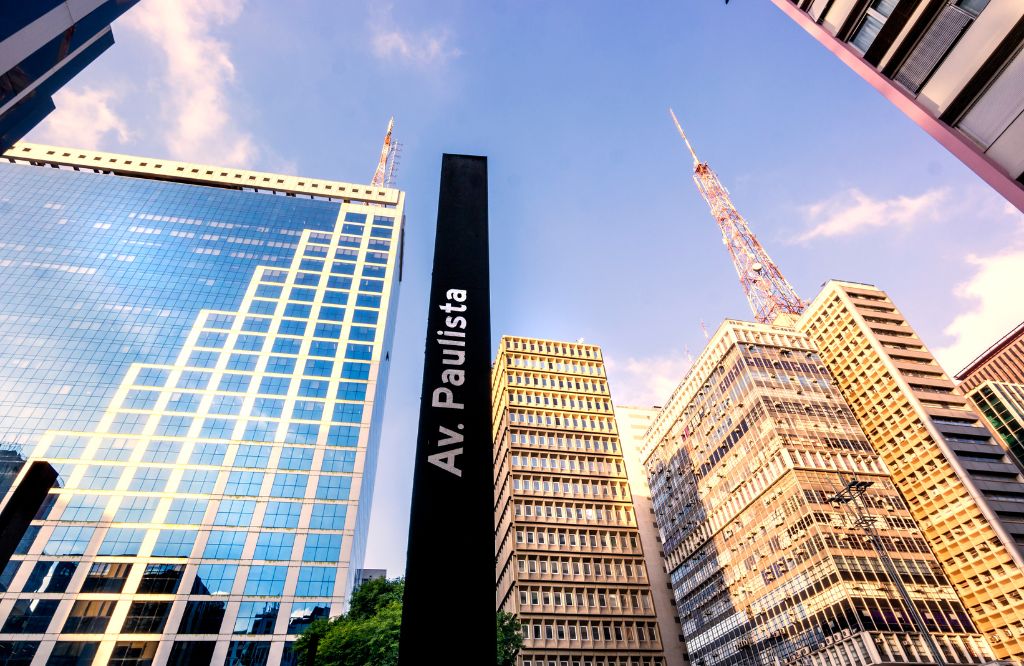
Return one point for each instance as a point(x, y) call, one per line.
point(386, 155)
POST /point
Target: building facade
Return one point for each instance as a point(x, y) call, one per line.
point(743, 461)
point(633, 423)
point(1002, 405)
point(43, 45)
point(952, 66)
point(569, 557)
point(1002, 362)
point(202, 353)
point(962, 487)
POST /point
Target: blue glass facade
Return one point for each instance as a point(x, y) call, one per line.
point(206, 368)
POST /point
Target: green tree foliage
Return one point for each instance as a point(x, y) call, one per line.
point(510, 638)
point(368, 634)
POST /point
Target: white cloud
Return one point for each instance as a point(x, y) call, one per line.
point(852, 211)
point(193, 88)
point(643, 382)
point(995, 291)
point(83, 119)
point(425, 48)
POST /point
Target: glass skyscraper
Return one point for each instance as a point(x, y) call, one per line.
point(202, 353)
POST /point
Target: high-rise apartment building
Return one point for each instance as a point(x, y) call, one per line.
point(963, 489)
point(43, 45)
point(743, 461)
point(568, 552)
point(202, 353)
point(952, 66)
point(633, 423)
point(1002, 362)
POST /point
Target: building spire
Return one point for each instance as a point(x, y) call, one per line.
point(769, 293)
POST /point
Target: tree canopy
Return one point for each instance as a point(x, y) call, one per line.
point(368, 634)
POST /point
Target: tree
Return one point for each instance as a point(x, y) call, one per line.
point(510, 638)
point(368, 634)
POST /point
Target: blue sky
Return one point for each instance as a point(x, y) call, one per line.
point(597, 230)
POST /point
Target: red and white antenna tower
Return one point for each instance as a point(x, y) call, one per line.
point(385, 165)
point(768, 292)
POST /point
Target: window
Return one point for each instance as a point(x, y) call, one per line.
point(302, 433)
point(289, 485)
point(136, 510)
point(313, 388)
point(274, 385)
point(46, 576)
point(214, 578)
point(161, 578)
point(224, 545)
point(364, 317)
point(234, 383)
point(226, 404)
point(265, 580)
point(199, 481)
point(252, 455)
point(244, 483)
point(332, 331)
point(367, 301)
point(351, 391)
point(323, 348)
point(234, 513)
point(332, 314)
point(174, 543)
point(298, 310)
point(337, 297)
point(268, 407)
point(71, 540)
point(338, 461)
point(292, 327)
point(256, 617)
point(282, 514)
point(173, 426)
point(249, 653)
point(274, 546)
point(308, 410)
point(328, 517)
point(217, 428)
point(322, 548)
point(363, 333)
point(162, 452)
point(296, 458)
point(353, 370)
point(202, 617)
point(249, 342)
point(106, 577)
point(146, 617)
point(86, 508)
point(334, 487)
point(30, 616)
point(340, 435)
point(359, 352)
point(315, 582)
point(122, 541)
point(348, 413)
point(136, 399)
point(187, 511)
point(260, 431)
point(187, 653)
point(871, 24)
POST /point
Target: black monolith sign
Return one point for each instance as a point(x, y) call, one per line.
point(449, 607)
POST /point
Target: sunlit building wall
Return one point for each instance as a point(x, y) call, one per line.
point(742, 461)
point(963, 488)
point(202, 354)
point(1002, 362)
point(570, 562)
point(633, 423)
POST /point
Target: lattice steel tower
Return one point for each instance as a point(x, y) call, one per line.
point(768, 292)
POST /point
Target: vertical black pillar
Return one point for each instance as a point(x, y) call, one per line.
point(448, 611)
point(22, 506)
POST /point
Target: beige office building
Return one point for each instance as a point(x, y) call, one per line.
point(963, 489)
point(743, 463)
point(1002, 362)
point(569, 557)
point(633, 423)
point(955, 67)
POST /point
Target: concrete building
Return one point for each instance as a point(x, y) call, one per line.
point(1002, 362)
point(202, 353)
point(633, 423)
point(963, 489)
point(955, 67)
point(43, 45)
point(743, 461)
point(570, 562)
point(364, 575)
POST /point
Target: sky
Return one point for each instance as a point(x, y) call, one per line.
point(597, 230)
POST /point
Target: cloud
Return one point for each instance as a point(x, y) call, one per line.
point(994, 290)
point(423, 49)
point(200, 125)
point(83, 119)
point(852, 211)
point(643, 382)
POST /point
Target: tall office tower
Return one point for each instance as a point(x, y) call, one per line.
point(962, 487)
point(743, 461)
point(202, 353)
point(633, 422)
point(569, 557)
point(1002, 362)
point(43, 45)
point(952, 66)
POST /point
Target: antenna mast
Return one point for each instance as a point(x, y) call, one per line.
point(768, 292)
point(387, 154)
